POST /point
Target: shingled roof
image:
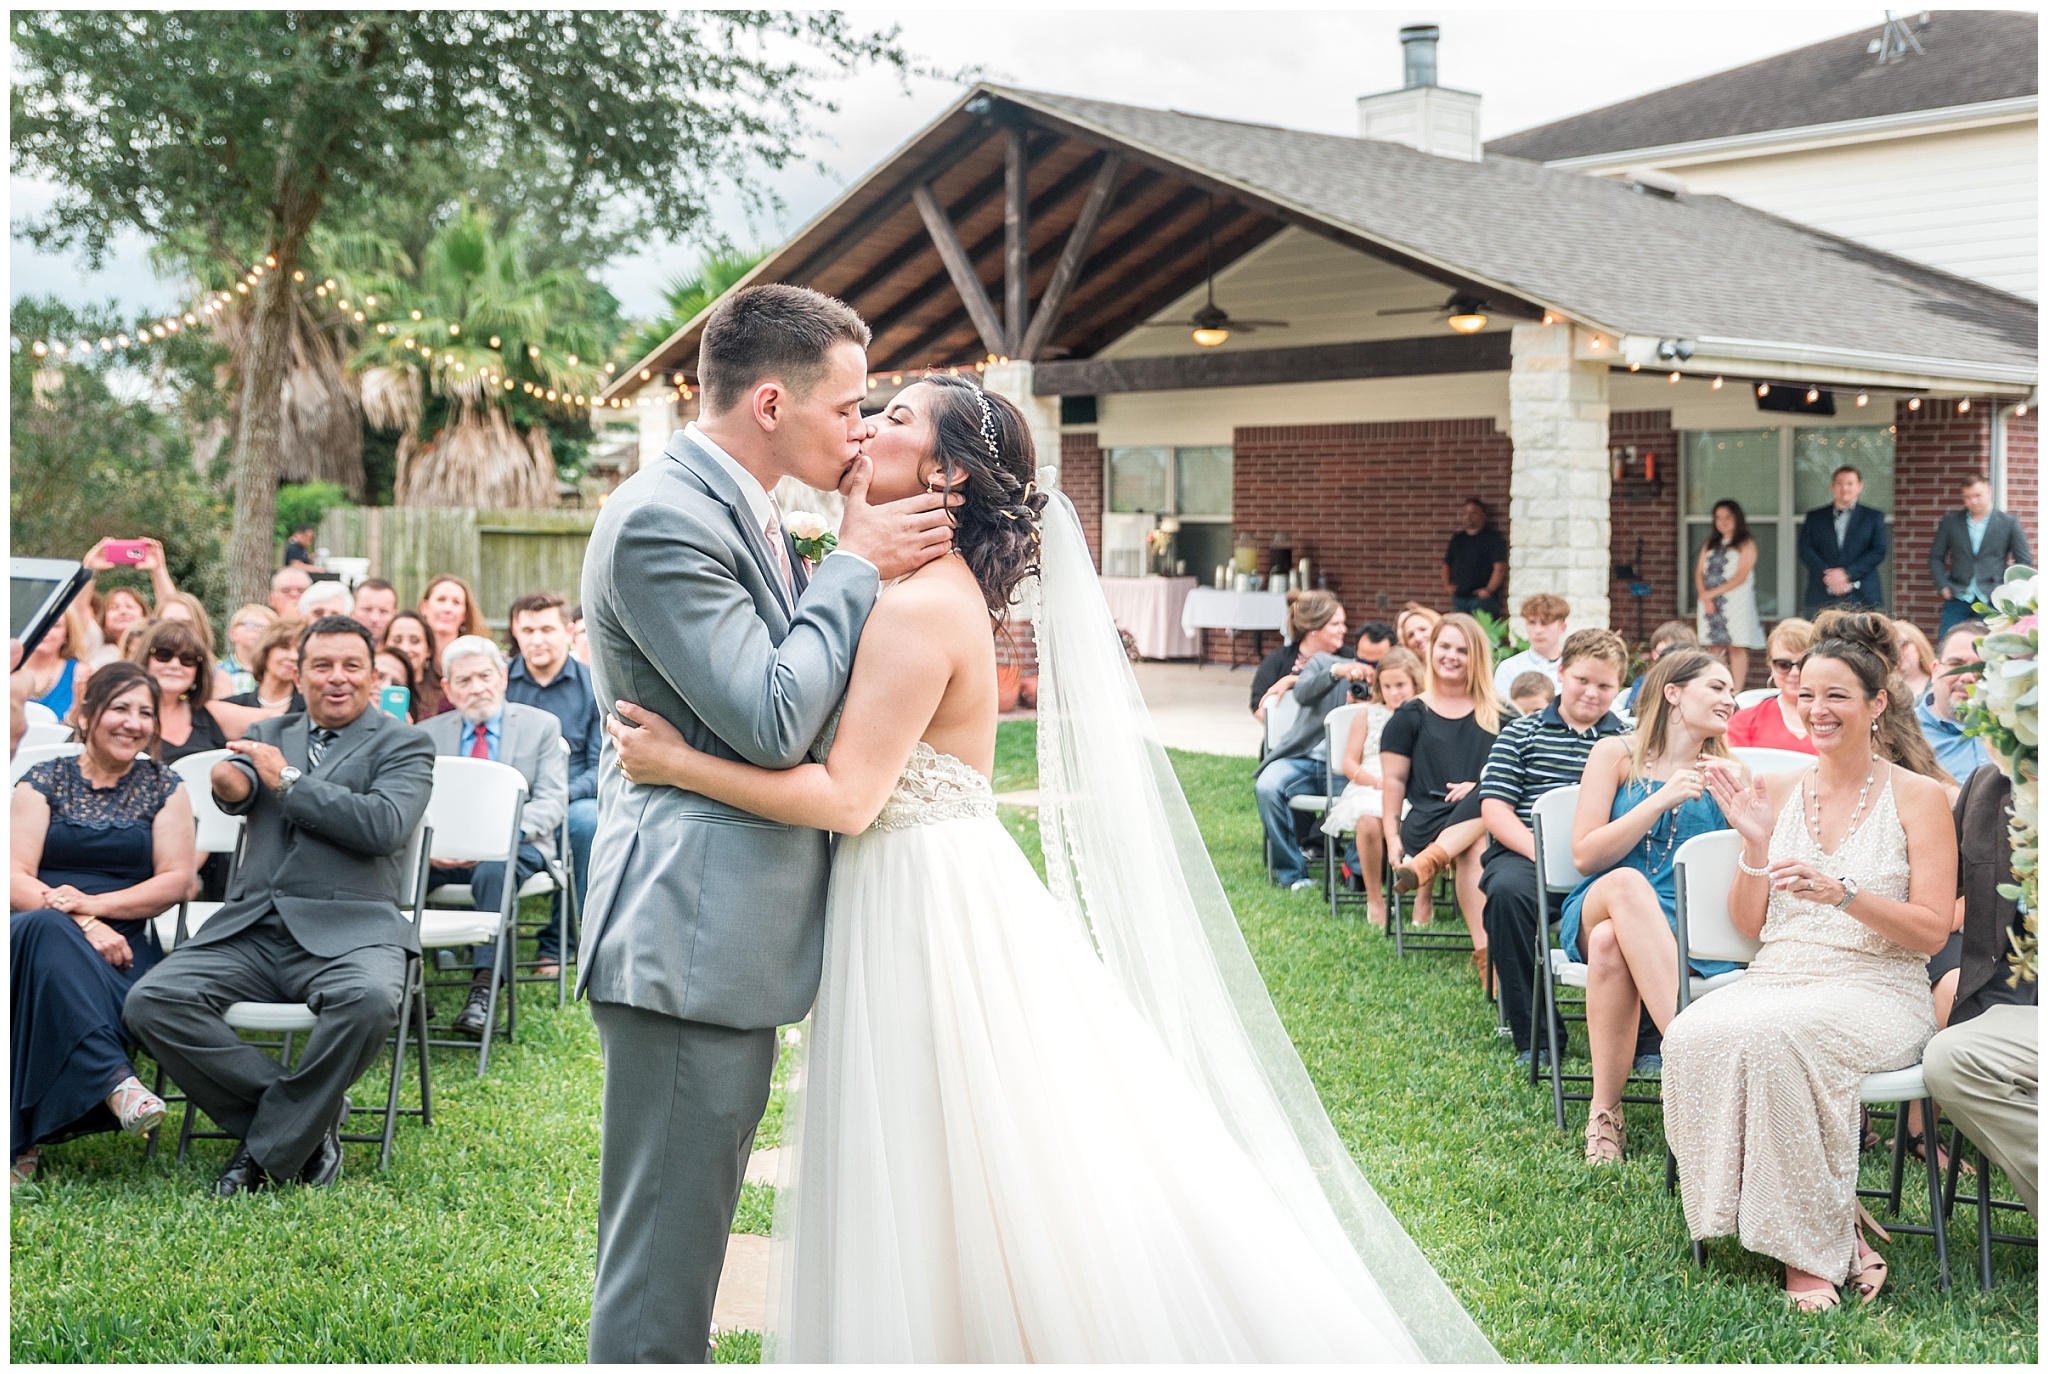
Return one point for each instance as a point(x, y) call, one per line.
point(1594, 248)
point(1970, 57)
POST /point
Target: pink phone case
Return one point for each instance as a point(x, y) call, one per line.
point(131, 551)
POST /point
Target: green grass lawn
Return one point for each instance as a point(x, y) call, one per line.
point(478, 1244)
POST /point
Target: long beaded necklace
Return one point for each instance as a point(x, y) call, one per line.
point(1809, 789)
point(1653, 861)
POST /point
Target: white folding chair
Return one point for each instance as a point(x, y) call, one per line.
point(1753, 696)
point(1336, 735)
point(1764, 762)
point(35, 713)
point(475, 815)
point(1556, 875)
point(45, 732)
point(29, 755)
point(293, 1019)
point(557, 880)
point(1705, 872)
point(218, 833)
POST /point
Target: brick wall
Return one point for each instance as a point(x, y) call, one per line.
point(1936, 446)
point(1647, 511)
point(1081, 479)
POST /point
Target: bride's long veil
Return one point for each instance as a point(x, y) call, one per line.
point(1123, 853)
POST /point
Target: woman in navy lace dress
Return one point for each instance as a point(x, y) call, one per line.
point(100, 844)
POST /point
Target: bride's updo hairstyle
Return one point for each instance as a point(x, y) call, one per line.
point(1866, 644)
point(985, 452)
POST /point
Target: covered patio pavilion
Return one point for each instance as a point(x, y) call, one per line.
point(1624, 353)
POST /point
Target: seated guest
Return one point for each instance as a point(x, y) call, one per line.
point(1431, 755)
point(545, 676)
point(1916, 660)
point(1542, 751)
point(1293, 762)
point(189, 723)
point(275, 659)
point(1672, 634)
point(450, 611)
point(1644, 795)
point(1399, 677)
point(1776, 722)
point(245, 628)
point(579, 640)
point(1848, 876)
point(331, 798)
point(485, 726)
point(326, 598)
point(56, 674)
point(287, 585)
point(101, 843)
point(376, 602)
point(1530, 693)
point(190, 609)
point(1307, 613)
point(1413, 627)
point(1374, 642)
point(1543, 618)
point(1984, 1067)
point(1959, 754)
point(395, 670)
point(409, 634)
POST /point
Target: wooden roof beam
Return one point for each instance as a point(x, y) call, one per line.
point(895, 199)
point(1164, 280)
point(959, 268)
point(1429, 356)
point(1080, 238)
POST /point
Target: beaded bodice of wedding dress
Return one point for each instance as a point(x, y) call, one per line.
point(933, 787)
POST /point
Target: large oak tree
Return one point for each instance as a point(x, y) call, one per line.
point(249, 128)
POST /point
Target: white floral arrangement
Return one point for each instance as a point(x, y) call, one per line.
point(2004, 710)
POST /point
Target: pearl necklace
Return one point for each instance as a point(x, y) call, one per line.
point(1810, 790)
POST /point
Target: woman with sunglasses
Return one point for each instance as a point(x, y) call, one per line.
point(1774, 722)
point(190, 721)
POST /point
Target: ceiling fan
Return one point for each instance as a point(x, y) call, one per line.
point(1463, 313)
point(1211, 323)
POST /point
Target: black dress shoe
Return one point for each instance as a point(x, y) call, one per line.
point(475, 1016)
point(243, 1175)
point(323, 1166)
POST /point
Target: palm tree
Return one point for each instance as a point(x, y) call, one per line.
point(685, 298)
point(473, 354)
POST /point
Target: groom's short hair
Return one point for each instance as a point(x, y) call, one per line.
point(775, 331)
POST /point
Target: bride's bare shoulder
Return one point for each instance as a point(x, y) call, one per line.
point(937, 595)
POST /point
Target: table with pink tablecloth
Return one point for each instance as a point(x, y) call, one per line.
point(1150, 608)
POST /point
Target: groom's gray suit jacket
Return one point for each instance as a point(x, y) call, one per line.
point(695, 909)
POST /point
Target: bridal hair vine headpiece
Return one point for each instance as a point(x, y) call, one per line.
point(988, 425)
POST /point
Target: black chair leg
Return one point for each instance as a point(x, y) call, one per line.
point(1699, 1254)
point(1932, 1136)
point(1670, 1172)
point(420, 1011)
point(1983, 1212)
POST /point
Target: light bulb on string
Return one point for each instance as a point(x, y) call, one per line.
point(269, 261)
point(494, 341)
point(1913, 403)
point(453, 330)
point(1673, 379)
point(416, 314)
point(242, 287)
point(298, 276)
point(1763, 389)
point(1862, 398)
point(1717, 383)
point(1812, 394)
point(1963, 406)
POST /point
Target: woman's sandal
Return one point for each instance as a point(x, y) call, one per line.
point(1811, 1300)
point(1871, 1270)
point(1916, 1146)
point(1605, 1132)
point(136, 1108)
point(24, 1166)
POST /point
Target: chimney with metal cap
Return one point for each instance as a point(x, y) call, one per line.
point(1423, 114)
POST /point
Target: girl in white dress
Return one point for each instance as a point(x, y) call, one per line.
point(1040, 1125)
point(1397, 678)
point(1724, 583)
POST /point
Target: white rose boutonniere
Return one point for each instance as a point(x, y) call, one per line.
point(812, 536)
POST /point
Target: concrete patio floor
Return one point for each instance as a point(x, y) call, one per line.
point(1205, 710)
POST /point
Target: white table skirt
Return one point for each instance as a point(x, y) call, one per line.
point(1150, 608)
point(1209, 609)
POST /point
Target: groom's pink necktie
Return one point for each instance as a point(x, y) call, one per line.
point(773, 530)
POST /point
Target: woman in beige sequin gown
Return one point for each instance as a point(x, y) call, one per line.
point(1761, 1077)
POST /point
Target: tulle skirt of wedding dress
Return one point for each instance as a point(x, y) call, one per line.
point(995, 1159)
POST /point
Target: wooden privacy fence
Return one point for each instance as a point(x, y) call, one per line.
point(503, 554)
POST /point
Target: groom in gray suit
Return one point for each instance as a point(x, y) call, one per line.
point(704, 929)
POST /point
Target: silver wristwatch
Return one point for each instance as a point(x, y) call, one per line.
point(1849, 891)
point(286, 776)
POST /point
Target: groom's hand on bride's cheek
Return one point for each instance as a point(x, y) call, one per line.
point(899, 537)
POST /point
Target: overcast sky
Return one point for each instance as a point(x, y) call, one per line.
point(1302, 69)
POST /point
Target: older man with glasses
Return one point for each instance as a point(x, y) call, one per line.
point(484, 725)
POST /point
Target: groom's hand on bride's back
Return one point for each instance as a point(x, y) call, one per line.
point(899, 537)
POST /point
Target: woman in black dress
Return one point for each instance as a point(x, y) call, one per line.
point(1431, 755)
point(192, 722)
point(100, 844)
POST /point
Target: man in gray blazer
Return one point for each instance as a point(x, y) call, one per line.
point(331, 797)
point(704, 930)
point(1972, 549)
point(484, 725)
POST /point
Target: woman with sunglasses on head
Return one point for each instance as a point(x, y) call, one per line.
point(1775, 723)
point(409, 634)
point(191, 721)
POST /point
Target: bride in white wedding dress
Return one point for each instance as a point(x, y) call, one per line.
point(1043, 1124)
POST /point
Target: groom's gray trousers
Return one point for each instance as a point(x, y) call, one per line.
point(670, 1176)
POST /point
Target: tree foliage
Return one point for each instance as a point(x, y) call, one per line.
point(685, 298)
point(247, 128)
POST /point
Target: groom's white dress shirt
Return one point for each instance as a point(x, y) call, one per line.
point(760, 505)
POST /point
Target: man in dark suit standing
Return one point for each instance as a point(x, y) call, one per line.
point(1972, 549)
point(332, 795)
point(1842, 545)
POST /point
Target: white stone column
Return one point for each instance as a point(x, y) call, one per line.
point(1558, 518)
point(1041, 413)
